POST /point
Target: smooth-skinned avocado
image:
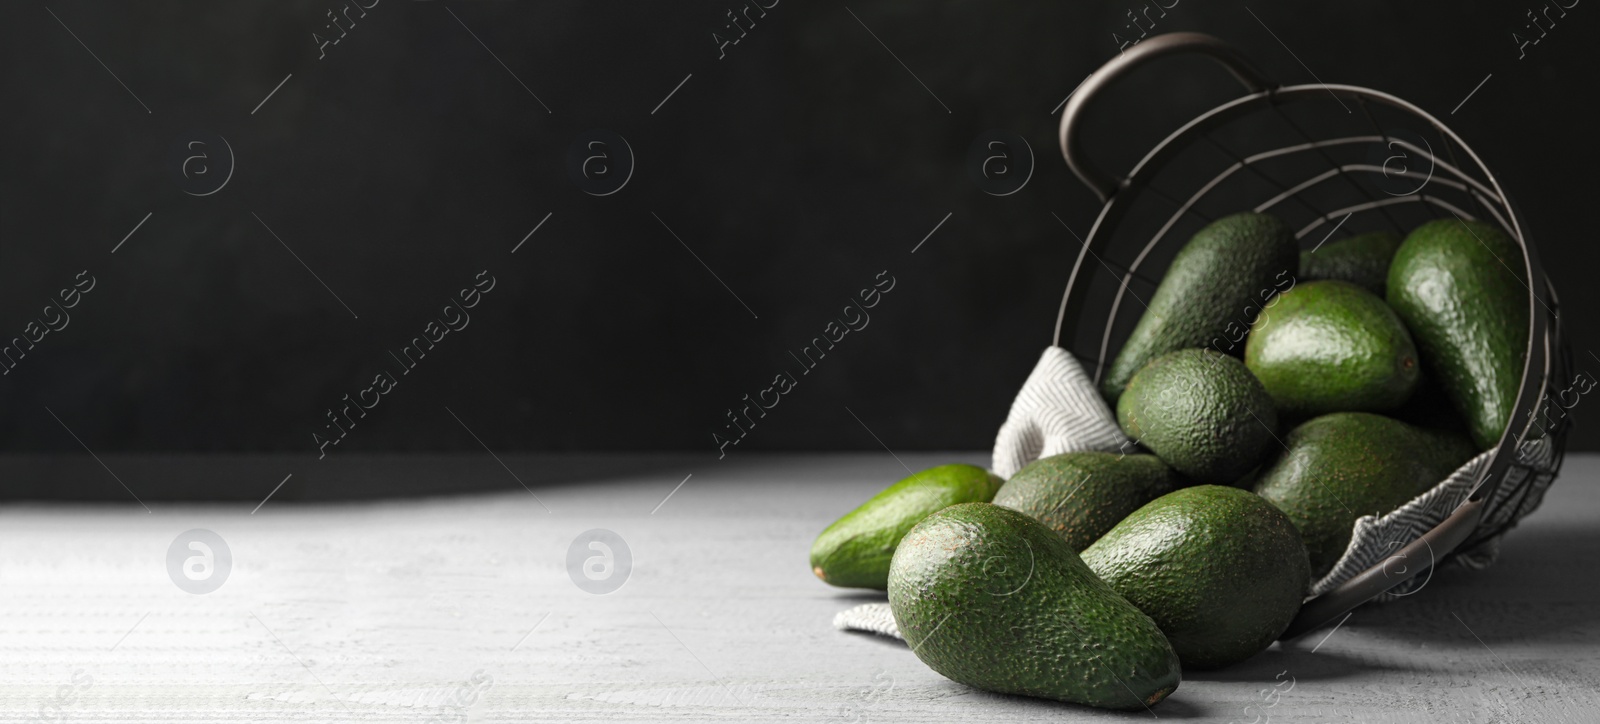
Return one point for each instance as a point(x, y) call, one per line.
point(1331, 346)
point(1339, 467)
point(1461, 287)
point(1202, 412)
point(993, 599)
point(1211, 292)
point(1362, 260)
point(1220, 570)
point(854, 552)
point(1081, 495)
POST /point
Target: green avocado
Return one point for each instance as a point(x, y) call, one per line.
point(1220, 570)
point(1202, 412)
point(1080, 495)
point(993, 599)
point(1362, 260)
point(854, 552)
point(1462, 289)
point(1339, 467)
point(1331, 346)
point(1211, 293)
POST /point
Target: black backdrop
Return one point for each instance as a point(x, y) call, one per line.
point(773, 179)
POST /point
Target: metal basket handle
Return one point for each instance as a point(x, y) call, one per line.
point(1104, 184)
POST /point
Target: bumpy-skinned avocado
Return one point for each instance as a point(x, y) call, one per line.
point(1202, 412)
point(1339, 467)
point(854, 552)
point(1211, 293)
point(1362, 260)
point(1332, 346)
point(1220, 570)
point(1080, 495)
point(1461, 287)
point(993, 599)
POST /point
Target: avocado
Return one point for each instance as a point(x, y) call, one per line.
point(854, 552)
point(1080, 495)
point(1211, 293)
point(1220, 570)
point(1339, 467)
point(1331, 346)
point(1362, 260)
point(1201, 412)
point(1462, 289)
point(993, 599)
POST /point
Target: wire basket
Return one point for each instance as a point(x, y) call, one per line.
point(1331, 160)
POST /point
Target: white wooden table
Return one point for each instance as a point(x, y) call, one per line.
point(463, 609)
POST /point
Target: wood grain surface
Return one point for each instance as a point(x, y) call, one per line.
point(458, 609)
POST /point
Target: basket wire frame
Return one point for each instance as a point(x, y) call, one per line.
point(1325, 180)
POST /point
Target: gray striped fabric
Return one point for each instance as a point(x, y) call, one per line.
point(1059, 410)
point(1376, 539)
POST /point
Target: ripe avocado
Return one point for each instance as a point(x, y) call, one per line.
point(1342, 466)
point(1362, 260)
point(854, 552)
point(993, 599)
point(1331, 346)
point(1201, 412)
point(1080, 495)
point(1461, 286)
point(1220, 570)
point(1211, 293)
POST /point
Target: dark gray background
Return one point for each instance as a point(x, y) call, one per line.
point(796, 167)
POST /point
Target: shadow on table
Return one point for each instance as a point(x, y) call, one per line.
point(852, 598)
point(1174, 707)
point(1543, 588)
point(1293, 663)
